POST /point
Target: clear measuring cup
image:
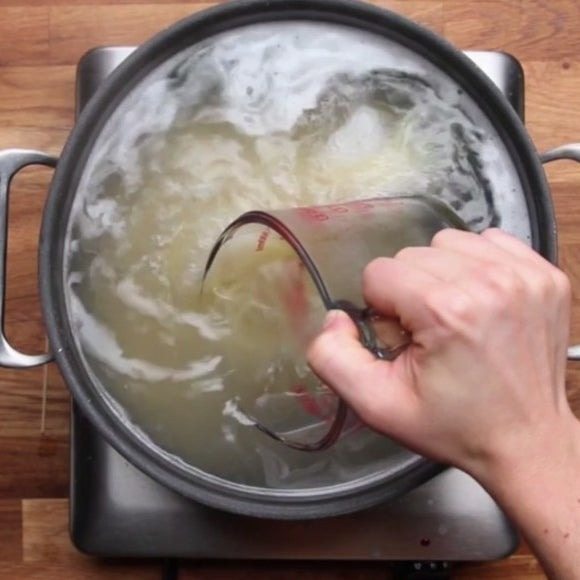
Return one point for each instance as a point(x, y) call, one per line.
point(273, 275)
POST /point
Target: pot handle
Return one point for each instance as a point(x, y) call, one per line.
point(11, 162)
point(570, 152)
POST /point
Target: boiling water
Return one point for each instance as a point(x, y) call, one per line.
point(261, 117)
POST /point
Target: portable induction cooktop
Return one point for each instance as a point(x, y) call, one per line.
point(116, 510)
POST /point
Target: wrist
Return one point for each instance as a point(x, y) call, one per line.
point(530, 455)
point(536, 484)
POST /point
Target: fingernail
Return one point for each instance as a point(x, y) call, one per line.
point(331, 317)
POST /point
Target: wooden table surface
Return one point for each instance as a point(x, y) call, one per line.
point(40, 43)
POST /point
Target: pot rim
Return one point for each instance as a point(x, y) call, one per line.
point(214, 491)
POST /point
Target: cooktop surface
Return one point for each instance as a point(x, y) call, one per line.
point(116, 510)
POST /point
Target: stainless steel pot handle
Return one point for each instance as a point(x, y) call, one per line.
point(11, 162)
point(570, 152)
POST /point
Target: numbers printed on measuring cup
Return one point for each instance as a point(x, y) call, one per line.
point(327, 212)
point(312, 214)
point(265, 235)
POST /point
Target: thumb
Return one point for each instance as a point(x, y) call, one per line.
point(369, 385)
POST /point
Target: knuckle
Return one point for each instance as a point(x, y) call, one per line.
point(548, 285)
point(373, 267)
point(460, 308)
point(562, 284)
point(501, 281)
point(543, 287)
point(435, 301)
point(406, 253)
point(452, 310)
point(444, 238)
point(493, 234)
point(372, 270)
point(451, 238)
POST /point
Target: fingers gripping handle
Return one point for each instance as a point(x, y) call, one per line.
point(11, 162)
point(570, 152)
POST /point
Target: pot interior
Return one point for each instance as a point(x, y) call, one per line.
point(263, 116)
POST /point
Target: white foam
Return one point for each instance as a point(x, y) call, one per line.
point(136, 299)
point(232, 409)
point(261, 79)
point(262, 117)
point(101, 344)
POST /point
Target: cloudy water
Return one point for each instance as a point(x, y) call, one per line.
point(263, 117)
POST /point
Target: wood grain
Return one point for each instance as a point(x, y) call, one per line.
point(10, 531)
point(76, 29)
point(473, 25)
point(40, 43)
point(17, 23)
point(534, 30)
point(37, 97)
point(428, 13)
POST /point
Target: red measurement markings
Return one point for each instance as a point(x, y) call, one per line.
point(312, 214)
point(262, 240)
point(293, 294)
point(338, 209)
point(361, 206)
point(307, 401)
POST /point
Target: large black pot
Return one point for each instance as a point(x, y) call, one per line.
point(199, 486)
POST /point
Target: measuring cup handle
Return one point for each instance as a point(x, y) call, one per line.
point(569, 152)
point(371, 331)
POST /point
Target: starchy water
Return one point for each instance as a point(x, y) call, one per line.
point(261, 117)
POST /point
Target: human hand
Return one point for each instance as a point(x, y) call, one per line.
point(483, 378)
